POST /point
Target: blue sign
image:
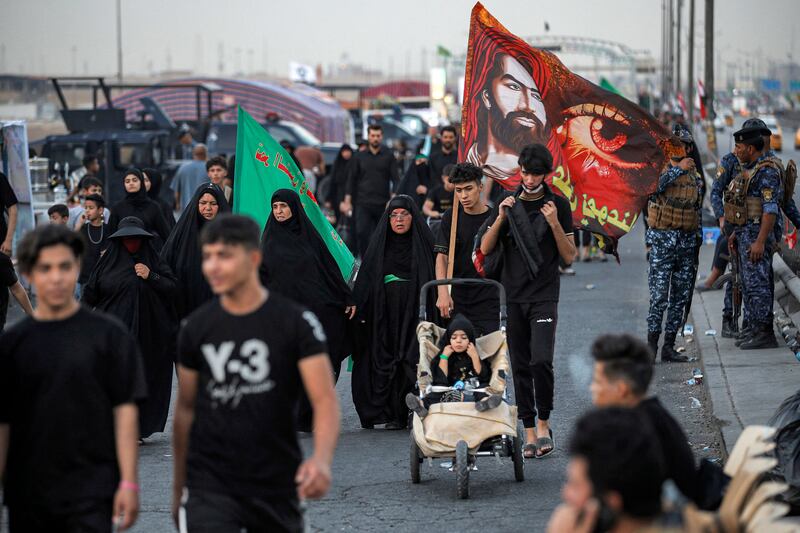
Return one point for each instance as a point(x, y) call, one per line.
point(770, 85)
point(794, 86)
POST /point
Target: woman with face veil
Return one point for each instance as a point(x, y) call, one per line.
point(182, 251)
point(137, 204)
point(156, 182)
point(397, 263)
point(131, 283)
point(297, 264)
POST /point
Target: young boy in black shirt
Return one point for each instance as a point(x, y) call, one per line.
point(92, 226)
point(440, 197)
point(69, 382)
point(534, 227)
point(9, 282)
point(242, 360)
point(623, 368)
point(479, 304)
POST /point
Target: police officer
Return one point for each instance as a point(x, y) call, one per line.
point(673, 216)
point(751, 206)
point(728, 168)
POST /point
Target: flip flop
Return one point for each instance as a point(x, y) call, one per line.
point(529, 450)
point(545, 442)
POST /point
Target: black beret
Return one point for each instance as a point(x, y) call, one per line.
point(748, 135)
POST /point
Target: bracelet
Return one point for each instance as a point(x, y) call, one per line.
point(443, 356)
point(129, 485)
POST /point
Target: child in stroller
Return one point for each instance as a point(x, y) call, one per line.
point(459, 366)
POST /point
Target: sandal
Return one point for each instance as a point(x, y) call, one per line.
point(548, 443)
point(529, 450)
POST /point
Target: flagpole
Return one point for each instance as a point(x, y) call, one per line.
point(451, 251)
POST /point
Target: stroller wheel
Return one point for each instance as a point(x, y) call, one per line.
point(415, 459)
point(462, 470)
point(517, 458)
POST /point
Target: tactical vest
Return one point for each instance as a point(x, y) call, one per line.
point(677, 206)
point(739, 208)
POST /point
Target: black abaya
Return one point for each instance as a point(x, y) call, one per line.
point(156, 184)
point(387, 295)
point(298, 265)
point(183, 255)
point(138, 205)
point(143, 306)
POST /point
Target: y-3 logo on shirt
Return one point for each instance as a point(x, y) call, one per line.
point(235, 377)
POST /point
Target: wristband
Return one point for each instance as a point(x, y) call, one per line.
point(443, 356)
point(129, 485)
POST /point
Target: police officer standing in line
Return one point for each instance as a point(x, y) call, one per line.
point(728, 168)
point(673, 217)
point(751, 206)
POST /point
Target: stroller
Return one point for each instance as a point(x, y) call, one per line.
point(457, 430)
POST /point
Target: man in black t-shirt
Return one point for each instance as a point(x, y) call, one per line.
point(373, 177)
point(242, 360)
point(534, 227)
point(444, 152)
point(623, 369)
point(69, 382)
point(479, 304)
point(9, 282)
point(8, 215)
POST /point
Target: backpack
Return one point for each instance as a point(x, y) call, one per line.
point(789, 179)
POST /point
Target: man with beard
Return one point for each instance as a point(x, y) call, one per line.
point(373, 176)
point(515, 114)
point(446, 153)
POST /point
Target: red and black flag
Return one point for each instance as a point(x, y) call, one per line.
point(607, 151)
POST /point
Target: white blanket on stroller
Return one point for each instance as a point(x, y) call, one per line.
point(449, 422)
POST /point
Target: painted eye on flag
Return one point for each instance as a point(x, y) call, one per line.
point(603, 132)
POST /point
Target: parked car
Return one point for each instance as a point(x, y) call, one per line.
point(776, 141)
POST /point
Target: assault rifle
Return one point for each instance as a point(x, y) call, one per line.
point(736, 276)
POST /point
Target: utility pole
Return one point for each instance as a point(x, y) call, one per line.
point(119, 41)
point(670, 47)
point(709, 59)
point(690, 75)
point(678, 49)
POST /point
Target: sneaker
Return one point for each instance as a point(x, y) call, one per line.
point(568, 271)
point(490, 402)
point(415, 404)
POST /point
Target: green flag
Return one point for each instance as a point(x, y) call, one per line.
point(605, 84)
point(263, 167)
point(444, 52)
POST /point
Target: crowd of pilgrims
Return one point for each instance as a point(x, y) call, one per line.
point(148, 274)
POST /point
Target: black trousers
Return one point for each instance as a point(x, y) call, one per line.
point(366, 219)
point(531, 341)
point(213, 512)
point(92, 516)
point(4, 298)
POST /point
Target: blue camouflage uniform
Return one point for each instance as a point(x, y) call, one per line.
point(757, 285)
point(728, 168)
point(672, 265)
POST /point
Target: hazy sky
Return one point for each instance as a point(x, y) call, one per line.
point(77, 36)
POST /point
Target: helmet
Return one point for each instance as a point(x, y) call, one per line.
point(757, 123)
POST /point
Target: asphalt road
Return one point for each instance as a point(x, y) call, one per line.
point(372, 490)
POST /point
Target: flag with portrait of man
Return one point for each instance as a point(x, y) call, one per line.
point(607, 151)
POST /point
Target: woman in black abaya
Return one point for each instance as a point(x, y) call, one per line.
point(137, 204)
point(132, 284)
point(182, 251)
point(298, 265)
point(153, 181)
point(397, 263)
point(338, 179)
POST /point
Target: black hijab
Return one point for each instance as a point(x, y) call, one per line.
point(296, 261)
point(156, 183)
point(139, 205)
point(183, 255)
point(458, 323)
point(339, 174)
point(408, 256)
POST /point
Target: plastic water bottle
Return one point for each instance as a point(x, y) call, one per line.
point(458, 385)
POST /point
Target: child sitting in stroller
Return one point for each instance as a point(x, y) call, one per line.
point(458, 365)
